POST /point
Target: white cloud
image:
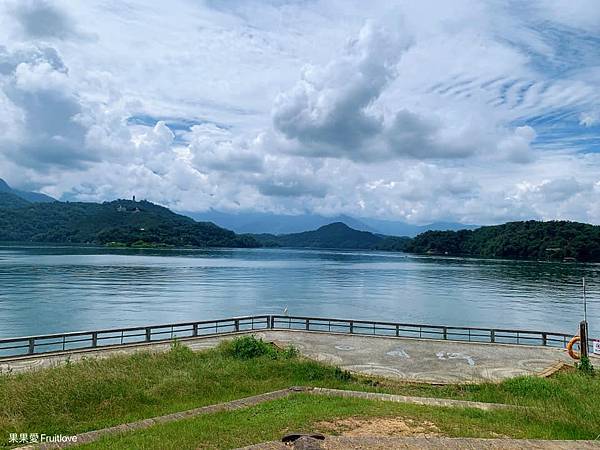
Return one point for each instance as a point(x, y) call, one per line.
point(329, 109)
point(420, 111)
point(517, 147)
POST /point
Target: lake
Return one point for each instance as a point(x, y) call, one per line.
point(49, 289)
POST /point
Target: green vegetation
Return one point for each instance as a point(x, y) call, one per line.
point(247, 347)
point(335, 235)
point(302, 412)
point(94, 394)
point(117, 223)
point(515, 240)
point(393, 244)
point(585, 366)
point(125, 223)
point(11, 201)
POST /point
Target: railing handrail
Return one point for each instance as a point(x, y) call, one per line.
point(118, 330)
point(449, 327)
point(112, 337)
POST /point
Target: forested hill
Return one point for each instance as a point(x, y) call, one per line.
point(515, 240)
point(120, 222)
point(336, 235)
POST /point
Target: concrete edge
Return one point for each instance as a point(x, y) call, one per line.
point(425, 401)
point(258, 331)
point(500, 344)
point(91, 436)
point(436, 443)
point(549, 371)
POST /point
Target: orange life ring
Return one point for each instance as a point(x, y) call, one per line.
point(572, 353)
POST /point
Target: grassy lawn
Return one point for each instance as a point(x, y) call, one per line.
point(94, 394)
point(303, 412)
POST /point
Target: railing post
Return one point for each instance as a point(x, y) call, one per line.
point(31, 348)
point(272, 320)
point(351, 326)
point(195, 330)
point(397, 330)
point(148, 334)
point(237, 325)
point(445, 330)
point(492, 336)
point(544, 339)
point(95, 339)
point(583, 334)
point(307, 324)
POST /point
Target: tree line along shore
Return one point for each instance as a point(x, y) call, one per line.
point(143, 224)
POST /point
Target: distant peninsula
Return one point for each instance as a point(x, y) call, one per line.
point(532, 239)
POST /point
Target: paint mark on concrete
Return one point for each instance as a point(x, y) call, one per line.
point(344, 348)
point(398, 353)
point(447, 355)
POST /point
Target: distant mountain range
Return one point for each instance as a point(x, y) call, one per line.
point(144, 224)
point(25, 195)
point(255, 222)
point(284, 224)
point(335, 235)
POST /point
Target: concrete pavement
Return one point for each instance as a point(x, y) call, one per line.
point(416, 360)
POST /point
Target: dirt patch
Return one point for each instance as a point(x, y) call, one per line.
point(379, 426)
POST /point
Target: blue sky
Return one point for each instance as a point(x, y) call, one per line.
point(470, 111)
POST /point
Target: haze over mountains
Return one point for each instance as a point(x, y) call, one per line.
point(25, 195)
point(252, 222)
point(260, 222)
point(145, 224)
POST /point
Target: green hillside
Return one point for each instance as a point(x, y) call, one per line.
point(10, 200)
point(120, 222)
point(335, 235)
point(515, 240)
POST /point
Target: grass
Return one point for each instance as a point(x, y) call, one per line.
point(98, 393)
point(302, 412)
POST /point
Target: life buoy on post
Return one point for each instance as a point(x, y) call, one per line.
point(572, 353)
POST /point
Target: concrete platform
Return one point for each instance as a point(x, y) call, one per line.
point(415, 360)
point(423, 360)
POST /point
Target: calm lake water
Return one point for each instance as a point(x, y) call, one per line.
point(53, 289)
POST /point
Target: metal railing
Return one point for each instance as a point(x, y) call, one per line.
point(85, 340)
point(422, 331)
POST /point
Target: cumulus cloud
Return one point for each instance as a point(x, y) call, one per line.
point(517, 147)
point(36, 85)
point(214, 148)
point(426, 137)
point(330, 108)
point(337, 111)
point(555, 190)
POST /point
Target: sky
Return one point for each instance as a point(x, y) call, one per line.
point(468, 111)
